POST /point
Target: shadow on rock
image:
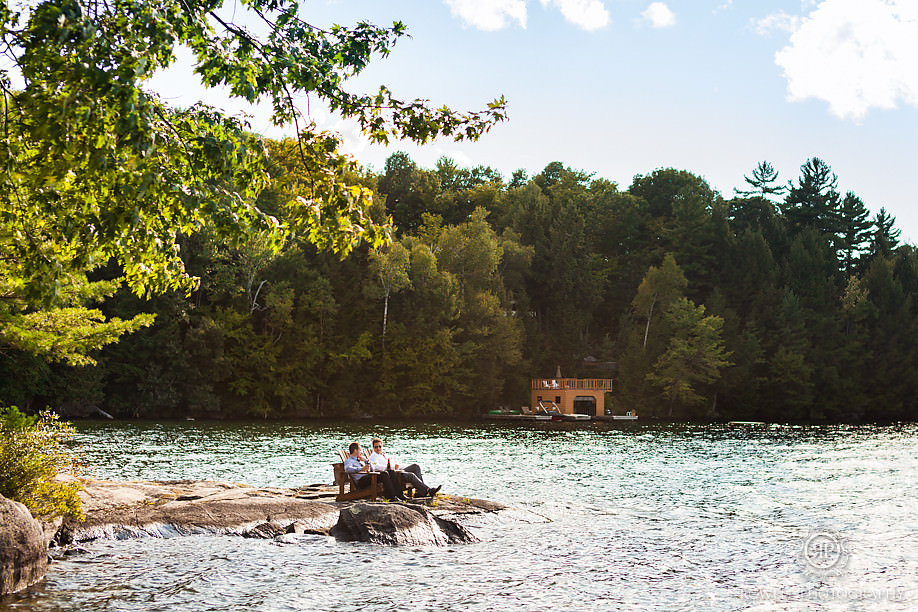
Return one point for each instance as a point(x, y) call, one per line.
point(23, 549)
point(398, 524)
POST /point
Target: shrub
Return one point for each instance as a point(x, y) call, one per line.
point(32, 457)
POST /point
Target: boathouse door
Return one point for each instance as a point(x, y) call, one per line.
point(585, 404)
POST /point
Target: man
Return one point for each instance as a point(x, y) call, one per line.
point(356, 467)
point(410, 473)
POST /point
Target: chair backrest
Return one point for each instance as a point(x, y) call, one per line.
point(341, 476)
point(343, 454)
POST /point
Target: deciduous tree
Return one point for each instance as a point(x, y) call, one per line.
point(694, 354)
point(95, 167)
point(660, 287)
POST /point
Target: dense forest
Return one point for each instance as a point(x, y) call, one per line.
point(160, 262)
point(788, 301)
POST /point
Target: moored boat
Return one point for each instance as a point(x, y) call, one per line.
point(631, 415)
point(503, 411)
point(515, 415)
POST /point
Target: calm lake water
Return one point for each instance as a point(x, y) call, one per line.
point(607, 517)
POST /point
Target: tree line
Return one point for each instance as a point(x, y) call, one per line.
point(787, 301)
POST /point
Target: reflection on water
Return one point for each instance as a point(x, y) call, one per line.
point(608, 518)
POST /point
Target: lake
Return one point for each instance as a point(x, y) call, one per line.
point(605, 517)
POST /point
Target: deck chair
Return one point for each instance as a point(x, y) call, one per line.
point(343, 479)
point(373, 491)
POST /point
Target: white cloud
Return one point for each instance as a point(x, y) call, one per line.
point(489, 14)
point(659, 15)
point(777, 21)
point(498, 14)
point(855, 55)
point(587, 14)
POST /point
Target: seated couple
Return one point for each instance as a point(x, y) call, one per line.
point(389, 472)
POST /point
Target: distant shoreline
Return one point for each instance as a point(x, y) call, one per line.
point(480, 420)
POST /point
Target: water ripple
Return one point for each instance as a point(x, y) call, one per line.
point(641, 517)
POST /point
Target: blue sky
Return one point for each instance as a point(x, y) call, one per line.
point(622, 87)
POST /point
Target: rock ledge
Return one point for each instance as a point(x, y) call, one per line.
point(120, 510)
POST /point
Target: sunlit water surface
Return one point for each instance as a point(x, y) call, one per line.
point(607, 517)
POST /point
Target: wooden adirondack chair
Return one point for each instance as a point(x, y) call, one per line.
point(373, 491)
point(342, 479)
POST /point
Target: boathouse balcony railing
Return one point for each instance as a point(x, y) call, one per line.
point(592, 384)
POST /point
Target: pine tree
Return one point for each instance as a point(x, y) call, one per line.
point(763, 182)
point(854, 230)
point(814, 201)
point(885, 234)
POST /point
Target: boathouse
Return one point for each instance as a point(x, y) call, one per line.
point(571, 395)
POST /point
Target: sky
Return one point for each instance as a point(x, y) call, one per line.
point(623, 87)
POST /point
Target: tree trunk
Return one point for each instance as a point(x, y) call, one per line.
point(385, 317)
point(254, 299)
point(649, 315)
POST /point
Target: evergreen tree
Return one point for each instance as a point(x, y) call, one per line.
point(763, 182)
point(885, 234)
point(813, 202)
point(854, 230)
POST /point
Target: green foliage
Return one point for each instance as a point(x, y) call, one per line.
point(762, 182)
point(96, 169)
point(813, 202)
point(763, 317)
point(410, 191)
point(885, 234)
point(660, 288)
point(319, 198)
point(102, 185)
point(33, 458)
point(694, 355)
point(13, 420)
point(854, 231)
point(66, 334)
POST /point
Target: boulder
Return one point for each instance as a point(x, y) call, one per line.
point(265, 530)
point(304, 528)
point(398, 524)
point(23, 551)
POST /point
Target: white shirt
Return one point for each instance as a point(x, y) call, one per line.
point(380, 461)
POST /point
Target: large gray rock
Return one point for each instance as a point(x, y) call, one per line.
point(398, 524)
point(119, 510)
point(23, 550)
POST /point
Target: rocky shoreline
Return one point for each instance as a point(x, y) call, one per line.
point(121, 510)
point(182, 507)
